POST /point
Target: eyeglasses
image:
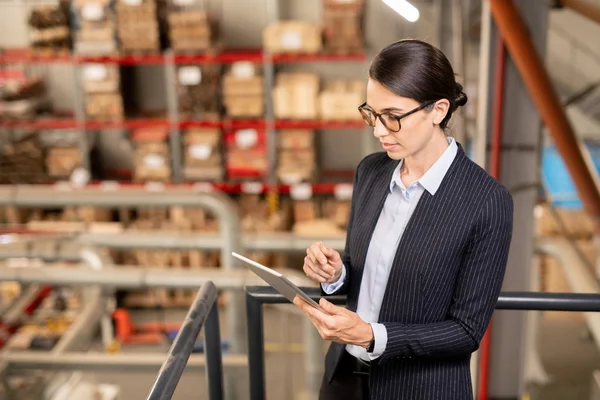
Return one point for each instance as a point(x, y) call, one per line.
point(391, 122)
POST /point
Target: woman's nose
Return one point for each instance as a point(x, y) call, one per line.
point(380, 130)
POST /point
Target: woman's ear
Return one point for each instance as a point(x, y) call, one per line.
point(440, 110)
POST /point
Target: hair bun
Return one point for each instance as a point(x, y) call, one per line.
point(461, 97)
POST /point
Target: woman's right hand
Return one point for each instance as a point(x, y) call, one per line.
point(322, 264)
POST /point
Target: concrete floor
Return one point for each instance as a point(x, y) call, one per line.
point(569, 355)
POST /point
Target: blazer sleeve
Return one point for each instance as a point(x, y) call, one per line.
point(342, 290)
point(475, 295)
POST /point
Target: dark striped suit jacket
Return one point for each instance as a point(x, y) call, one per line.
point(444, 282)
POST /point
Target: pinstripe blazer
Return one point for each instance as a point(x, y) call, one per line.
point(444, 282)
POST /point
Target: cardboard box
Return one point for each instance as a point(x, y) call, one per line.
point(61, 162)
point(574, 223)
point(340, 106)
point(292, 37)
point(296, 139)
point(236, 86)
point(295, 96)
point(137, 26)
point(152, 155)
point(202, 155)
point(245, 106)
point(104, 106)
point(296, 166)
point(100, 78)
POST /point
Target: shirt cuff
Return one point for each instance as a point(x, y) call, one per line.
point(331, 288)
point(380, 334)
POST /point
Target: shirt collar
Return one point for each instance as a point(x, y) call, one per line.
point(432, 179)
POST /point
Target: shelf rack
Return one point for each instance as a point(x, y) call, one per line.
point(169, 60)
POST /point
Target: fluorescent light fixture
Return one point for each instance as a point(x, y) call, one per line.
point(404, 8)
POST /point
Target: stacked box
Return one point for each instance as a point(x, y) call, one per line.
point(246, 154)
point(292, 37)
point(295, 95)
point(573, 226)
point(101, 85)
point(342, 28)
point(62, 161)
point(337, 211)
point(23, 98)
point(311, 219)
point(243, 91)
point(137, 23)
point(96, 33)
point(152, 155)
point(202, 155)
point(297, 156)
point(340, 100)
point(49, 27)
point(198, 91)
point(22, 161)
point(190, 30)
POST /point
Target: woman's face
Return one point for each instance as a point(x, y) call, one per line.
point(417, 130)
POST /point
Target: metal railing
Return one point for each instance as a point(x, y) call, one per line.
point(203, 312)
point(256, 296)
point(43, 196)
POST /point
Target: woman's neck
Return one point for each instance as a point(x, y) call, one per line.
point(415, 166)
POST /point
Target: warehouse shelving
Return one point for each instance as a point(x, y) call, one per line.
point(26, 56)
point(168, 60)
point(135, 123)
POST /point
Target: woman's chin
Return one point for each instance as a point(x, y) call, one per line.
point(396, 154)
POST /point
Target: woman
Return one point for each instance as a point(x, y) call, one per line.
point(426, 247)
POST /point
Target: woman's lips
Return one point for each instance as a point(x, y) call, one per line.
point(389, 146)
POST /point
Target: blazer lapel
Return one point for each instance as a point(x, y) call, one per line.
point(376, 194)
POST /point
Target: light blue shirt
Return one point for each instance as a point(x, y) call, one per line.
point(397, 210)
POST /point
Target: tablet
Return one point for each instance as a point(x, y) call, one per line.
point(278, 281)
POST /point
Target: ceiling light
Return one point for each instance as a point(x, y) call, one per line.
point(404, 8)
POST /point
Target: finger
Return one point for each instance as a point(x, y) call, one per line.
point(317, 253)
point(311, 274)
point(330, 253)
point(329, 307)
point(328, 269)
point(298, 301)
point(317, 270)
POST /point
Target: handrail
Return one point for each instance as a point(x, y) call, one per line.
point(43, 196)
point(203, 309)
point(256, 296)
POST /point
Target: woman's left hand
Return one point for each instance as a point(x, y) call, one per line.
point(339, 324)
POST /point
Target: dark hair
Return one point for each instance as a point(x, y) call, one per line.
point(418, 70)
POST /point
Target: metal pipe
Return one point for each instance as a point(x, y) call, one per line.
point(86, 361)
point(536, 79)
point(85, 324)
point(256, 346)
point(129, 277)
point(157, 240)
point(580, 278)
point(218, 203)
point(584, 8)
point(495, 163)
point(483, 87)
point(183, 345)
point(286, 242)
point(256, 296)
point(214, 359)
point(458, 59)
